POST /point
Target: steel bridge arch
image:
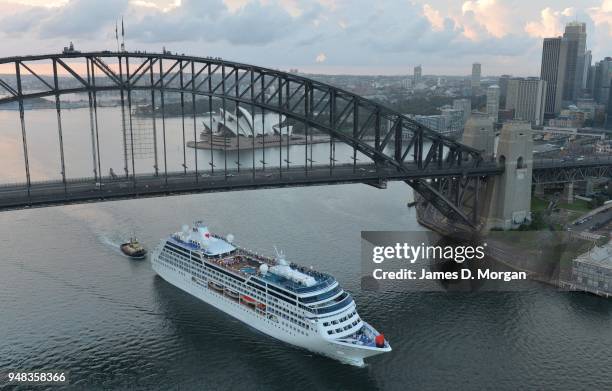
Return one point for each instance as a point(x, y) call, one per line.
point(382, 134)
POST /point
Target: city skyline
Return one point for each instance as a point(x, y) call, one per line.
point(323, 36)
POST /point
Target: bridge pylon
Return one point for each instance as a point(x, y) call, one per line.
point(510, 203)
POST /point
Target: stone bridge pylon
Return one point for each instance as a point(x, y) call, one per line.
point(501, 202)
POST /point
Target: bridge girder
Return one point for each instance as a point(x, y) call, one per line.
point(571, 174)
point(384, 135)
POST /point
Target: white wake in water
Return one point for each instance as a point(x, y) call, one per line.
point(110, 242)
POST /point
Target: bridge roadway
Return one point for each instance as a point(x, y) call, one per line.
point(56, 192)
point(15, 196)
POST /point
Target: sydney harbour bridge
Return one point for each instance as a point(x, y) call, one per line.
point(384, 145)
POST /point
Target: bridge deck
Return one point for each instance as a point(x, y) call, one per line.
point(82, 190)
point(56, 192)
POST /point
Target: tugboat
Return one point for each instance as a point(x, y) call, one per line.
point(133, 249)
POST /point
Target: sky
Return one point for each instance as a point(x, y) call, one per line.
point(316, 36)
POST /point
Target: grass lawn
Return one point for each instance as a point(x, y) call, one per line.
point(538, 204)
point(577, 205)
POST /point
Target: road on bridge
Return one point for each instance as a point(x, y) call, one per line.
point(56, 192)
point(88, 189)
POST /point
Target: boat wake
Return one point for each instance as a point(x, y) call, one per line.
point(112, 243)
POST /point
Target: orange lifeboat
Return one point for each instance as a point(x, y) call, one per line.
point(248, 299)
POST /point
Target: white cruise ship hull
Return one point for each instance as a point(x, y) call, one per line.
point(314, 341)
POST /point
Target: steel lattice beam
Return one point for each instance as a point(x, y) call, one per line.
point(388, 138)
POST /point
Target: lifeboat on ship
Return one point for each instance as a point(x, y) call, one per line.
point(249, 301)
point(232, 294)
point(215, 286)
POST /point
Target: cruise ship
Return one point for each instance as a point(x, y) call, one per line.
point(292, 303)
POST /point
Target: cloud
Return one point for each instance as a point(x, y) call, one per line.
point(236, 22)
point(433, 16)
point(490, 15)
point(551, 23)
point(77, 18)
point(157, 6)
point(350, 34)
point(602, 15)
point(235, 5)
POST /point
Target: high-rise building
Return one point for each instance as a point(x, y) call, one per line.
point(609, 115)
point(588, 59)
point(503, 89)
point(575, 35)
point(418, 75)
point(591, 81)
point(554, 57)
point(603, 77)
point(493, 102)
point(476, 74)
point(527, 97)
point(465, 105)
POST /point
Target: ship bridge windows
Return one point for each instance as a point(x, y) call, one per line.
point(331, 302)
point(322, 296)
point(345, 302)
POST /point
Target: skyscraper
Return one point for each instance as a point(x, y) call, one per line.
point(476, 74)
point(418, 75)
point(465, 105)
point(527, 97)
point(588, 59)
point(609, 111)
point(493, 102)
point(591, 81)
point(503, 90)
point(603, 77)
point(554, 57)
point(575, 34)
point(609, 114)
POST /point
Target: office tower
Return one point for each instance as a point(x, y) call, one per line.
point(493, 102)
point(465, 105)
point(588, 59)
point(418, 75)
point(601, 84)
point(475, 80)
point(609, 114)
point(476, 73)
point(554, 57)
point(527, 97)
point(575, 35)
point(503, 90)
point(591, 81)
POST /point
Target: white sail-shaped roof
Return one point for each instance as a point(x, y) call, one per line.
point(245, 124)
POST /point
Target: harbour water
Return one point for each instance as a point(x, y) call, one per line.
point(70, 301)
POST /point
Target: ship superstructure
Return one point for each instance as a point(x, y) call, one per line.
point(292, 303)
